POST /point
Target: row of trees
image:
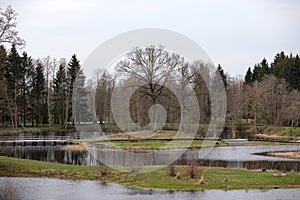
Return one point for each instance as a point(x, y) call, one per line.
point(283, 66)
point(35, 91)
point(268, 94)
point(156, 74)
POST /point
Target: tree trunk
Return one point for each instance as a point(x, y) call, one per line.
point(292, 125)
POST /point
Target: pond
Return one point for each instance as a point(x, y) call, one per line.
point(231, 157)
point(50, 189)
point(250, 157)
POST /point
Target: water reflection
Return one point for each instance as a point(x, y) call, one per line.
point(230, 157)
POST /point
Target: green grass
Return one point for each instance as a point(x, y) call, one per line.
point(286, 131)
point(214, 177)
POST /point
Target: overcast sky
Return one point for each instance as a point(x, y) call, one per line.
point(235, 33)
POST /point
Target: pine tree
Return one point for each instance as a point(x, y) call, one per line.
point(38, 96)
point(265, 69)
point(255, 73)
point(12, 77)
point(248, 76)
point(26, 68)
point(79, 99)
point(76, 92)
point(223, 75)
point(59, 96)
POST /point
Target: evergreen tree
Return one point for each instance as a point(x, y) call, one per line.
point(59, 96)
point(264, 68)
point(255, 73)
point(248, 76)
point(279, 65)
point(26, 68)
point(12, 77)
point(295, 73)
point(76, 81)
point(38, 96)
point(287, 67)
point(79, 99)
point(223, 75)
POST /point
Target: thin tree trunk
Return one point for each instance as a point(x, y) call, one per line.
point(9, 107)
point(292, 125)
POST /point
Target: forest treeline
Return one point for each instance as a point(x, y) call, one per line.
point(268, 94)
point(43, 91)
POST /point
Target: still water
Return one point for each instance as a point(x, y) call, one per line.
point(91, 157)
point(57, 189)
point(231, 156)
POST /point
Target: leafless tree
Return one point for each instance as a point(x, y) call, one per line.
point(49, 67)
point(105, 86)
point(234, 93)
point(291, 111)
point(265, 102)
point(8, 32)
point(152, 67)
point(200, 79)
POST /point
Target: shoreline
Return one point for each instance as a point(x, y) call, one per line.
point(214, 178)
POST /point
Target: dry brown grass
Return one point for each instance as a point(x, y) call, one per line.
point(79, 147)
point(161, 134)
point(287, 154)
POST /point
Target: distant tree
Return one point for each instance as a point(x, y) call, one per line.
point(287, 67)
point(72, 70)
point(265, 69)
point(292, 106)
point(248, 76)
point(255, 73)
point(279, 65)
point(38, 96)
point(201, 77)
point(234, 94)
point(105, 86)
point(59, 99)
point(12, 77)
point(260, 70)
point(294, 78)
point(223, 75)
point(76, 92)
point(80, 109)
point(8, 32)
point(152, 66)
point(26, 69)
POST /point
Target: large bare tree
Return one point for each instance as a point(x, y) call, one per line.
point(152, 67)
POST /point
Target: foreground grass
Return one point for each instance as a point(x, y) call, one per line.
point(214, 178)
